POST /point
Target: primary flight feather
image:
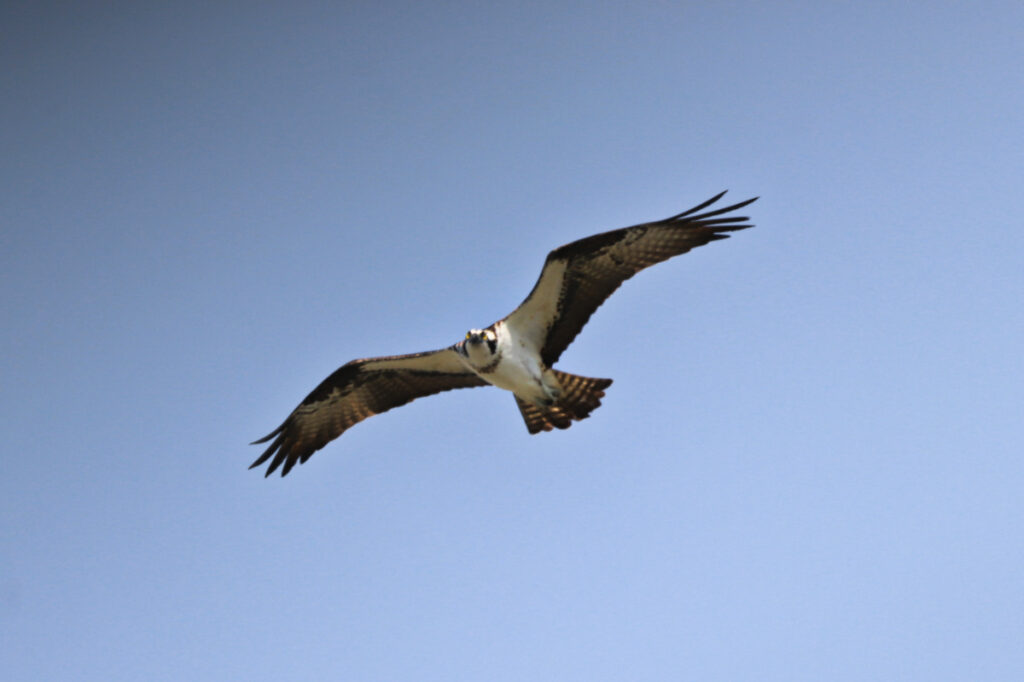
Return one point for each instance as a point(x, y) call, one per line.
point(515, 353)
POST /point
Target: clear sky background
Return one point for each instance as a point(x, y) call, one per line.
point(809, 466)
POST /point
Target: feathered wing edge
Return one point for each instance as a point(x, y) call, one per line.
point(356, 391)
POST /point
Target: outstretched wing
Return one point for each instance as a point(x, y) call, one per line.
point(578, 277)
point(357, 390)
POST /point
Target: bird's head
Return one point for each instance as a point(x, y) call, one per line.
point(480, 346)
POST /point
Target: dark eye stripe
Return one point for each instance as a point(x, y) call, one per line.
point(492, 344)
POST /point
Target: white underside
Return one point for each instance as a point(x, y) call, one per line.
point(520, 369)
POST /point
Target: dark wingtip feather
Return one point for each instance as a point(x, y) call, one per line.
point(263, 458)
point(719, 211)
point(270, 435)
point(700, 207)
point(690, 214)
point(273, 465)
point(271, 448)
point(748, 202)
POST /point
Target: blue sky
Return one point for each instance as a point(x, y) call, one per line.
point(809, 466)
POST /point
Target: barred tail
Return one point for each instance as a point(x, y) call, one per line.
point(580, 396)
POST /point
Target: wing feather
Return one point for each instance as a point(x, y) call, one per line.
point(578, 277)
point(356, 391)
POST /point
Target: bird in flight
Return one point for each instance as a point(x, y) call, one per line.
point(515, 353)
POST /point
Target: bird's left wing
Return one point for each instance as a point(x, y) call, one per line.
point(578, 277)
point(357, 390)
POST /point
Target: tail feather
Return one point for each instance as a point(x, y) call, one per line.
point(580, 397)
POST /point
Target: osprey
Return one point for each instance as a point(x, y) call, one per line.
point(515, 353)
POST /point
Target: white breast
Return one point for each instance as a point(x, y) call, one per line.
point(520, 369)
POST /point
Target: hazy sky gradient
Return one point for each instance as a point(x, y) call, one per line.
point(809, 465)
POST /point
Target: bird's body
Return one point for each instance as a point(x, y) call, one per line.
point(515, 353)
point(503, 358)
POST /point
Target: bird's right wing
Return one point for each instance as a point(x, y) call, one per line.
point(357, 390)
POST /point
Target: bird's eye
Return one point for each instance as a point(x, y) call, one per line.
point(468, 334)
